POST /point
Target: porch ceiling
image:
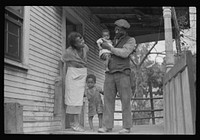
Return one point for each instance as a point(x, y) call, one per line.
point(143, 20)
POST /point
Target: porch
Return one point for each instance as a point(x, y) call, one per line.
point(148, 24)
point(135, 130)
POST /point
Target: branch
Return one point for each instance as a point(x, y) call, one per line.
point(147, 53)
point(157, 53)
point(151, 64)
point(132, 60)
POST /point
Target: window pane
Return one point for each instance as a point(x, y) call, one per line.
point(12, 28)
point(13, 45)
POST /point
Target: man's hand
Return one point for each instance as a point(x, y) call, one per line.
point(103, 57)
point(105, 45)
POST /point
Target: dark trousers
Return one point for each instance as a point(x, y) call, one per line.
point(117, 82)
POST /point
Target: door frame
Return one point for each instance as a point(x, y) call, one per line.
point(69, 14)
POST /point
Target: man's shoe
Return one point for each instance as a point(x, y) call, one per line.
point(124, 131)
point(104, 130)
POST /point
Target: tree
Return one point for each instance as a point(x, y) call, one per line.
point(145, 75)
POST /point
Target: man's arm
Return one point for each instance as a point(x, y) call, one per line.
point(126, 50)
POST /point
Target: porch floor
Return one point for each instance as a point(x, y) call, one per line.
point(136, 129)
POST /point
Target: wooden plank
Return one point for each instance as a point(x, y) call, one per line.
point(36, 72)
point(54, 18)
point(174, 105)
point(13, 120)
point(179, 105)
point(187, 102)
point(50, 32)
point(56, 38)
point(167, 108)
point(28, 82)
point(41, 124)
point(52, 23)
point(179, 66)
point(37, 118)
point(38, 31)
point(44, 50)
point(31, 113)
point(27, 102)
point(28, 92)
point(38, 57)
point(43, 39)
point(39, 52)
point(30, 77)
point(29, 130)
point(28, 97)
point(26, 87)
point(171, 92)
point(40, 68)
point(37, 108)
point(192, 83)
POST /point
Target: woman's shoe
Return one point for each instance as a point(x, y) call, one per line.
point(78, 128)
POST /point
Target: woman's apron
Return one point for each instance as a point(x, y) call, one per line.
point(75, 86)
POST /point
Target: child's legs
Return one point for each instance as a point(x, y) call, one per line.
point(107, 60)
point(91, 122)
point(100, 116)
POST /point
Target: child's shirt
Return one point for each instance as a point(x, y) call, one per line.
point(100, 41)
point(93, 95)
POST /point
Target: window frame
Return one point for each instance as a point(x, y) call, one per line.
point(25, 29)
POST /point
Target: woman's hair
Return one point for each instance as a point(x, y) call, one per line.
point(91, 76)
point(72, 38)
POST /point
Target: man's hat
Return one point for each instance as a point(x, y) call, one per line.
point(122, 23)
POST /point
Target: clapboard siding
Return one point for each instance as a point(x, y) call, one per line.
point(39, 78)
point(35, 89)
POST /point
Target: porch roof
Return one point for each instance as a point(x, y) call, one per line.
point(147, 23)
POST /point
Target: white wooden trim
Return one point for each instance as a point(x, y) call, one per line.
point(63, 31)
point(26, 29)
point(73, 17)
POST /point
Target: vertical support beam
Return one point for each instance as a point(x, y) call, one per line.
point(177, 31)
point(168, 38)
point(63, 67)
point(152, 104)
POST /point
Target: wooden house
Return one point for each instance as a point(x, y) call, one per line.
point(35, 37)
point(35, 40)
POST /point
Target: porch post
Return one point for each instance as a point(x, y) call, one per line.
point(168, 38)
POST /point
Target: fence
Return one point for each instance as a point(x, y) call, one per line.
point(180, 97)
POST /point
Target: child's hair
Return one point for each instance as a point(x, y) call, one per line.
point(105, 30)
point(91, 76)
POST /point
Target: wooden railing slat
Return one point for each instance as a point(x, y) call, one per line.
point(179, 105)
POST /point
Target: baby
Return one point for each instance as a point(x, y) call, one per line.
point(105, 37)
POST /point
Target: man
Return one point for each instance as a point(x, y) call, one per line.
point(117, 79)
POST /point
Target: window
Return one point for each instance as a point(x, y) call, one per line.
point(13, 32)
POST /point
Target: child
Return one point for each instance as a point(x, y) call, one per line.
point(106, 38)
point(95, 105)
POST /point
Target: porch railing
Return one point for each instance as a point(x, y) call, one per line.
point(152, 110)
point(180, 97)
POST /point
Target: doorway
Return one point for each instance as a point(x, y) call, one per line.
point(73, 24)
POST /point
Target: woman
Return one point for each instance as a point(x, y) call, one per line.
point(75, 57)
